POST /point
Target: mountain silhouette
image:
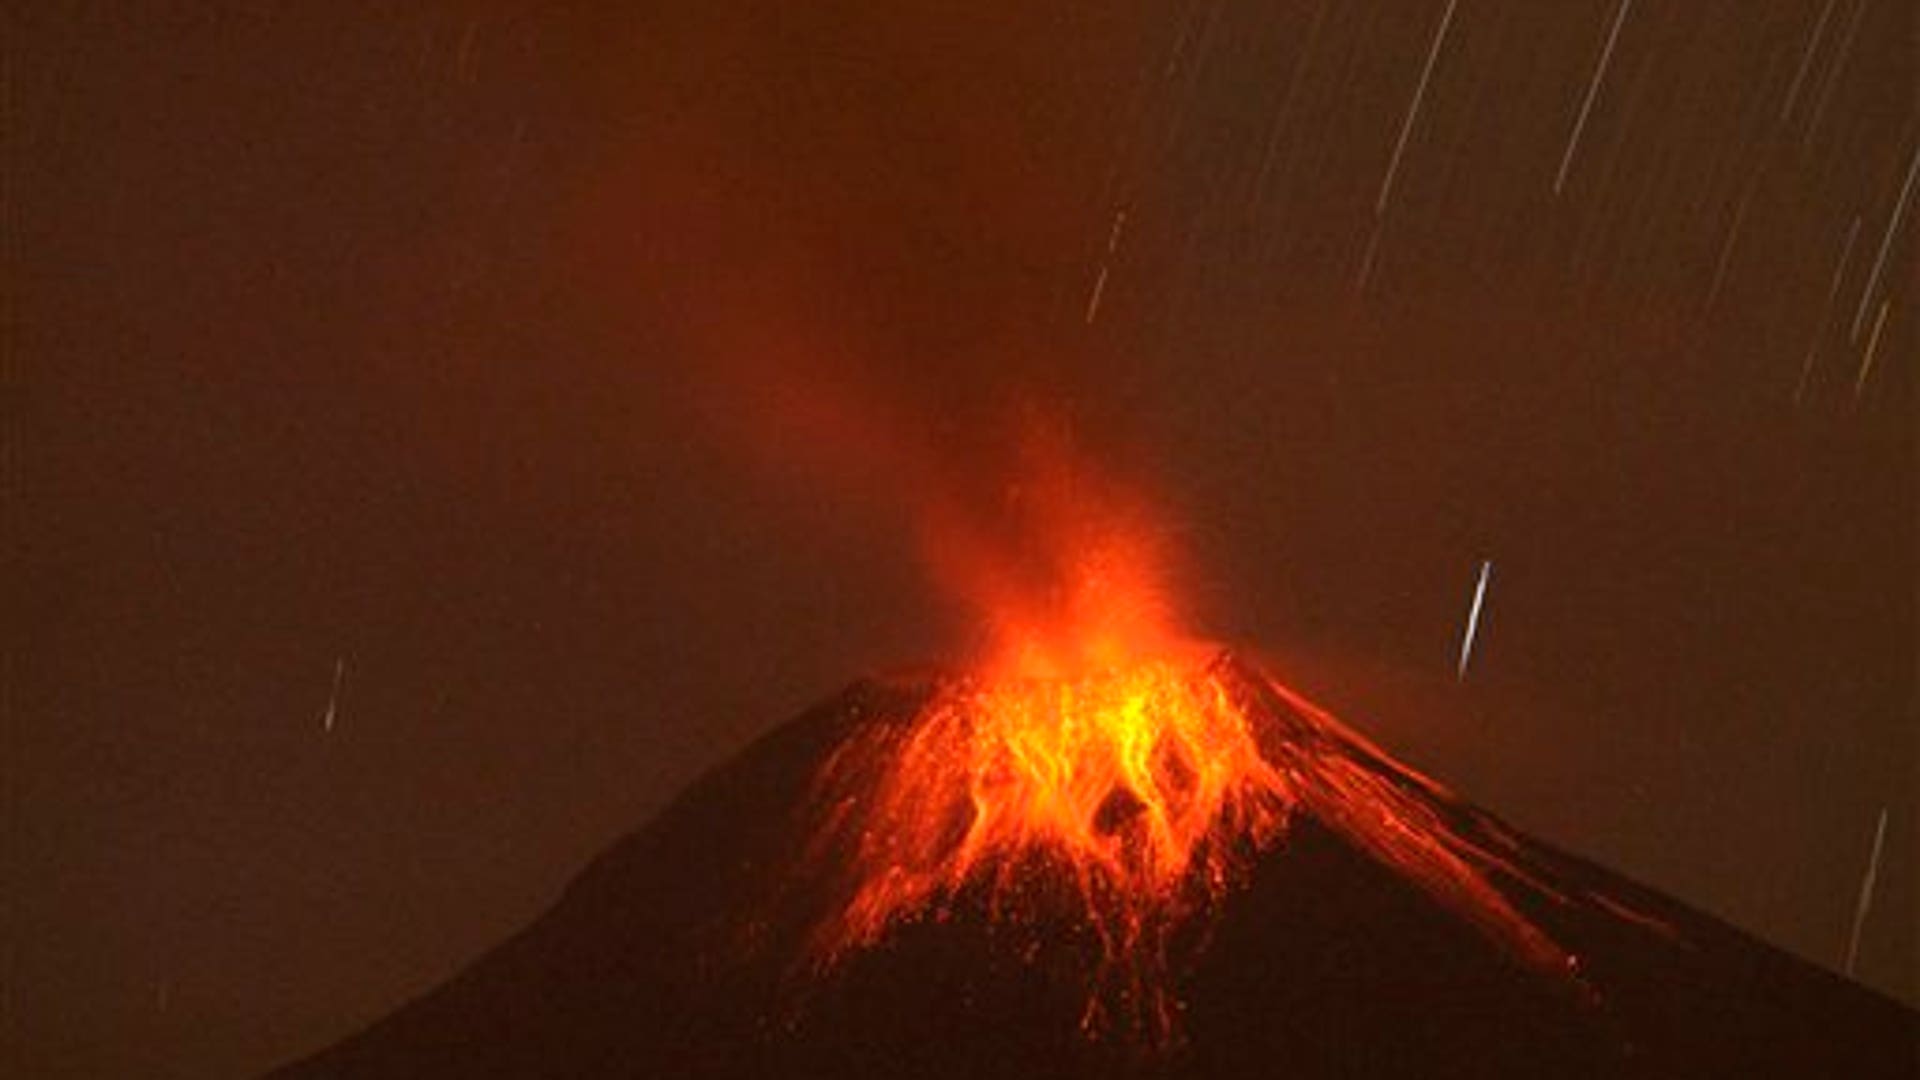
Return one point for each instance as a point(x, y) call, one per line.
point(1350, 947)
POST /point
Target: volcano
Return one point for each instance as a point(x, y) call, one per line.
point(1187, 872)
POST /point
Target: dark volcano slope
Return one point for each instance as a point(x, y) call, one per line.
point(675, 954)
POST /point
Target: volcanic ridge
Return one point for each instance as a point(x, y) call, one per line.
point(1182, 868)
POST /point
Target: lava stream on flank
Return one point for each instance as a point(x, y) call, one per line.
point(1139, 796)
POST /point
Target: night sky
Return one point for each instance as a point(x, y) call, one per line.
point(438, 432)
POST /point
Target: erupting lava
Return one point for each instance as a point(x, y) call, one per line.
point(1105, 761)
point(1127, 773)
point(1141, 785)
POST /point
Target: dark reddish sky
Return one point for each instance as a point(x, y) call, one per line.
point(496, 353)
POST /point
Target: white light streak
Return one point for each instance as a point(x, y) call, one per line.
point(333, 694)
point(1114, 232)
point(1835, 67)
point(1726, 248)
point(1093, 299)
point(1593, 91)
point(1866, 891)
point(1367, 257)
point(1826, 310)
point(1806, 59)
point(1473, 619)
point(1886, 242)
point(1413, 110)
point(1873, 346)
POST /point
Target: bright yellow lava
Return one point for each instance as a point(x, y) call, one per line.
point(1125, 775)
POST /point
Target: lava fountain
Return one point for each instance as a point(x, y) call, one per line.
point(1105, 767)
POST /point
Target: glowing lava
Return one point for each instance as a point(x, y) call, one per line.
point(1104, 775)
point(1144, 794)
point(1144, 788)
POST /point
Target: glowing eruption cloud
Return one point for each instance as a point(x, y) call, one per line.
point(1103, 761)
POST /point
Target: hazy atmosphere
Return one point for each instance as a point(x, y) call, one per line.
point(437, 433)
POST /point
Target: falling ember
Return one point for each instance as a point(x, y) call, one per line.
point(1106, 763)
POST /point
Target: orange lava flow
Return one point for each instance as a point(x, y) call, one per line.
point(1143, 787)
point(1127, 772)
point(1143, 794)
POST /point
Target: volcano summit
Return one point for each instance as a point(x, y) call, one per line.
point(1178, 868)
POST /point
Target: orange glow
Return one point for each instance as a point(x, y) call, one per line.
point(1143, 792)
point(1139, 787)
point(1102, 759)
